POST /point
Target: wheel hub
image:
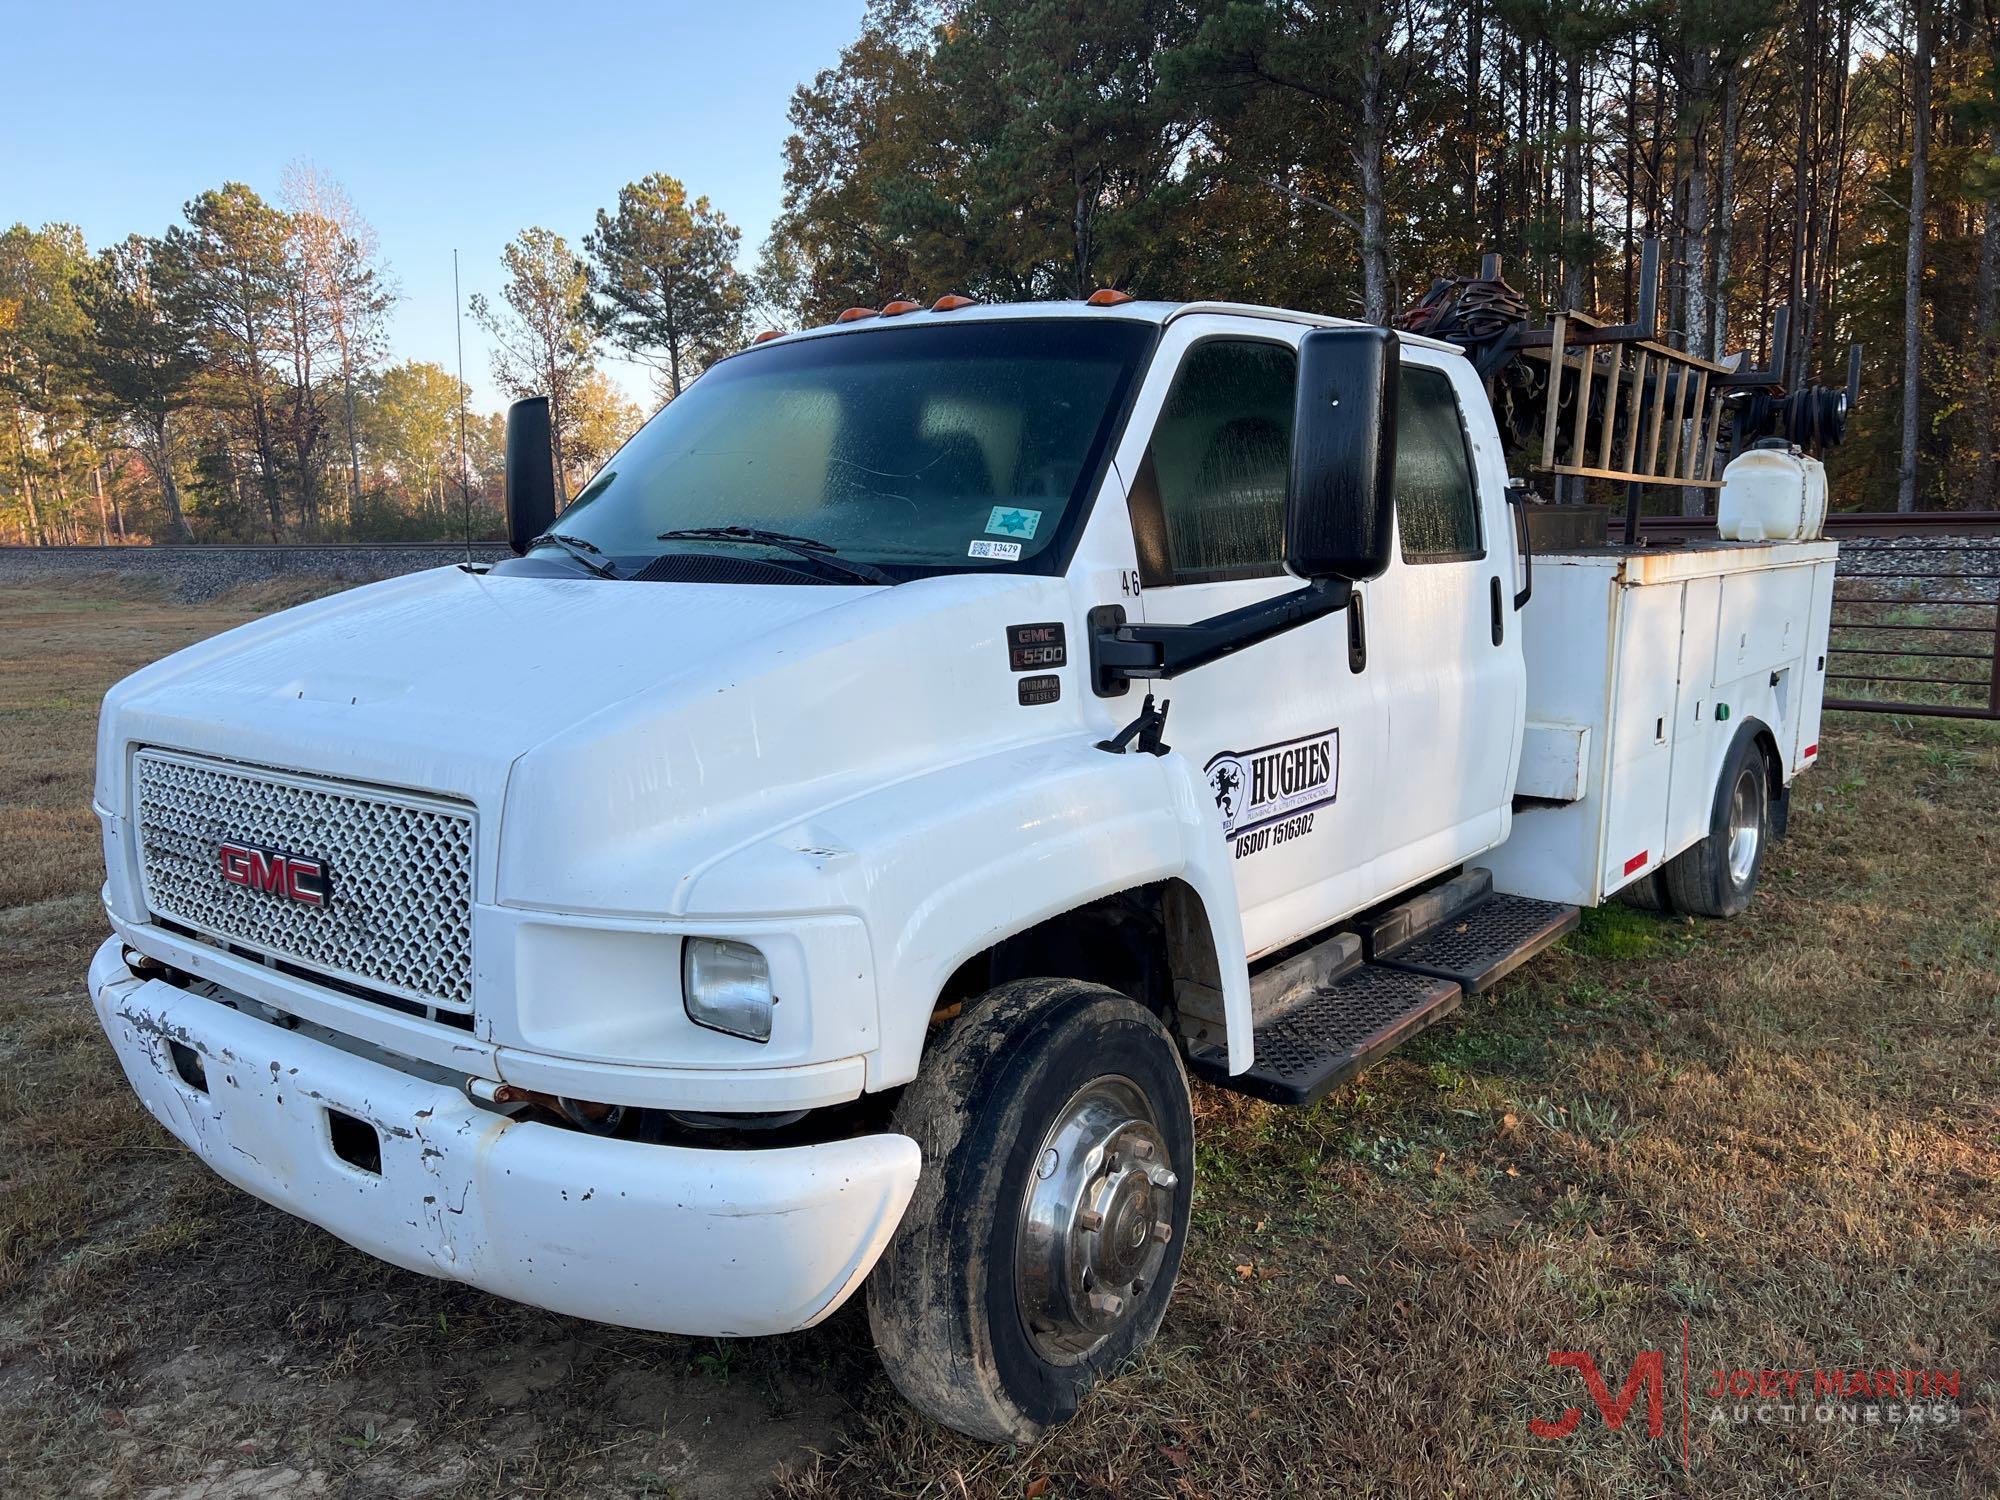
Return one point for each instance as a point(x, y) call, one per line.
point(1746, 828)
point(1097, 1220)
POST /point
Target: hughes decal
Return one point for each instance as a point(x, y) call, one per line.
point(1274, 783)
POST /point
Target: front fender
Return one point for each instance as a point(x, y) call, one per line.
point(946, 864)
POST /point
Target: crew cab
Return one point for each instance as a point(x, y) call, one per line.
point(819, 859)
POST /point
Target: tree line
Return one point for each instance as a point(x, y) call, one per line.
point(1837, 159)
point(227, 379)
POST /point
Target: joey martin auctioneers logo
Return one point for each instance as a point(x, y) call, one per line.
point(1741, 1396)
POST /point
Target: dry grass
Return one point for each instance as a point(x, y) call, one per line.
point(1782, 1133)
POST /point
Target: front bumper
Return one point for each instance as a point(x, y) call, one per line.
point(667, 1238)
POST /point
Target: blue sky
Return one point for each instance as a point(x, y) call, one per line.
point(448, 124)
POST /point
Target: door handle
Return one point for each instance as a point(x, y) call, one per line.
point(1499, 621)
point(1517, 502)
point(1357, 636)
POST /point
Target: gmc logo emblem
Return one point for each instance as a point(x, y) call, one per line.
point(292, 876)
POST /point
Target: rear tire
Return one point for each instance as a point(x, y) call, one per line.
point(1645, 893)
point(1046, 1232)
point(1718, 876)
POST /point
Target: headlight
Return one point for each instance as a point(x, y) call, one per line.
point(727, 987)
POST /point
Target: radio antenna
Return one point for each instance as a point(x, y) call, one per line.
point(464, 474)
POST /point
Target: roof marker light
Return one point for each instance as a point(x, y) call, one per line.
point(1108, 296)
point(900, 306)
point(855, 314)
point(767, 335)
point(951, 302)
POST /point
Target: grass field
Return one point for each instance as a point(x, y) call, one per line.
point(1777, 1139)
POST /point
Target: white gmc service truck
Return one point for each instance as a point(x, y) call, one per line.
point(777, 880)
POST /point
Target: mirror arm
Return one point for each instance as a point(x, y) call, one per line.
point(1121, 651)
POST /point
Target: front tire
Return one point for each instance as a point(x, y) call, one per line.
point(1718, 876)
point(1046, 1232)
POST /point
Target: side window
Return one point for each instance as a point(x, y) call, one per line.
point(1437, 504)
point(1208, 502)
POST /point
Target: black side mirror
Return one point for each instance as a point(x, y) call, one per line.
point(1340, 503)
point(531, 472)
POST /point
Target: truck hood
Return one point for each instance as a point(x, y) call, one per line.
point(608, 733)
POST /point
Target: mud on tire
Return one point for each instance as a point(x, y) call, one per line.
point(978, 1310)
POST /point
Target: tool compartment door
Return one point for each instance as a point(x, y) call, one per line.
point(1762, 622)
point(1700, 740)
point(1645, 690)
point(1804, 747)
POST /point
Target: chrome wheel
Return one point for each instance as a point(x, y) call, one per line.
point(1096, 1222)
point(1746, 826)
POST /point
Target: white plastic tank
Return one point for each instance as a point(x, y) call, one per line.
point(1772, 494)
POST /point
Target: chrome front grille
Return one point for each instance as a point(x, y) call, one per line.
point(397, 913)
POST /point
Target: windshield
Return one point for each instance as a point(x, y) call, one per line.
point(963, 447)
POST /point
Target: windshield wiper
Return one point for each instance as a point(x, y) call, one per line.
point(585, 553)
point(804, 546)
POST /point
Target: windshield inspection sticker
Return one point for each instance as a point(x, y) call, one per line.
point(1265, 795)
point(1007, 521)
point(1001, 551)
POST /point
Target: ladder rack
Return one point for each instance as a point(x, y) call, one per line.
point(1653, 402)
point(1586, 399)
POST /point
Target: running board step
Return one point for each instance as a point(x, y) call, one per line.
point(1478, 946)
point(1329, 1034)
point(1389, 927)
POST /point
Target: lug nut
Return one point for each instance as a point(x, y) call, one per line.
point(1106, 1304)
point(1164, 1180)
point(1143, 1149)
point(1090, 1220)
point(1163, 1232)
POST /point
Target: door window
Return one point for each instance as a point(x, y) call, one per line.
point(1208, 502)
point(1437, 507)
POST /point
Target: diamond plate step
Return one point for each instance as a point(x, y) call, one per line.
point(1479, 946)
point(1331, 1034)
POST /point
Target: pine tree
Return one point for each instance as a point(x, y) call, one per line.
point(664, 277)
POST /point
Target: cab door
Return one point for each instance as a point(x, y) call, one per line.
point(1290, 734)
point(1446, 640)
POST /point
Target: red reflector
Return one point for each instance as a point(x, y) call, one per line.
point(1637, 861)
point(854, 313)
point(1810, 752)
